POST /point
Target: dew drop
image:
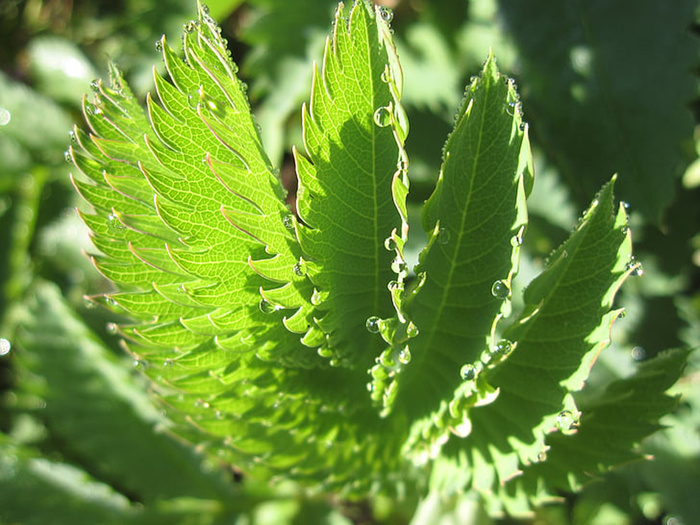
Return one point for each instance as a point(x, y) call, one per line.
point(516, 240)
point(386, 75)
point(140, 364)
point(5, 117)
point(542, 456)
point(567, 421)
point(398, 265)
point(190, 26)
point(267, 307)
point(468, 372)
point(502, 347)
point(95, 85)
point(500, 290)
point(111, 301)
point(412, 330)
point(114, 223)
point(372, 324)
point(88, 303)
point(639, 353)
point(182, 289)
point(625, 230)
point(370, 387)
point(5, 346)
point(73, 137)
point(300, 268)
point(200, 403)
point(111, 328)
point(390, 243)
point(159, 45)
point(167, 363)
point(522, 126)
point(386, 13)
point(383, 117)
point(443, 236)
point(625, 205)
point(216, 107)
point(405, 356)
point(68, 157)
point(634, 267)
point(288, 222)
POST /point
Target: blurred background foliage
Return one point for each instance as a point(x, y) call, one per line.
point(607, 87)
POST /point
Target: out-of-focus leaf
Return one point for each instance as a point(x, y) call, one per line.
point(31, 127)
point(608, 88)
point(98, 410)
point(36, 491)
point(60, 69)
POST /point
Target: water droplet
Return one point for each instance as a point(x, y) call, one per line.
point(386, 13)
point(516, 240)
point(372, 324)
point(567, 421)
point(168, 363)
point(383, 117)
point(112, 328)
point(5, 117)
point(88, 303)
point(189, 27)
point(522, 126)
point(114, 223)
point(182, 289)
point(542, 456)
point(68, 157)
point(95, 85)
point(625, 230)
point(405, 356)
point(318, 296)
point(267, 307)
point(412, 330)
point(5, 346)
point(370, 387)
point(625, 205)
point(300, 268)
point(394, 286)
point(443, 236)
point(502, 347)
point(159, 45)
point(390, 243)
point(500, 290)
point(216, 107)
point(200, 403)
point(111, 301)
point(140, 364)
point(468, 372)
point(386, 75)
point(510, 110)
point(634, 267)
point(73, 137)
point(288, 222)
point(639, 353)
point(622, 314)
point(398, 265)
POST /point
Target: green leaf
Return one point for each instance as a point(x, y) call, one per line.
point(611, 426)
point(565, 324)
point(345, 185)
point(594, 89)
point(476, 211)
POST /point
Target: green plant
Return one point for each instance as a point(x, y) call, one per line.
point(302, 343)
point(259, 327)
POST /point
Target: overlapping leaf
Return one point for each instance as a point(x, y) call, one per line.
point(192, 225)
point(565, 324)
